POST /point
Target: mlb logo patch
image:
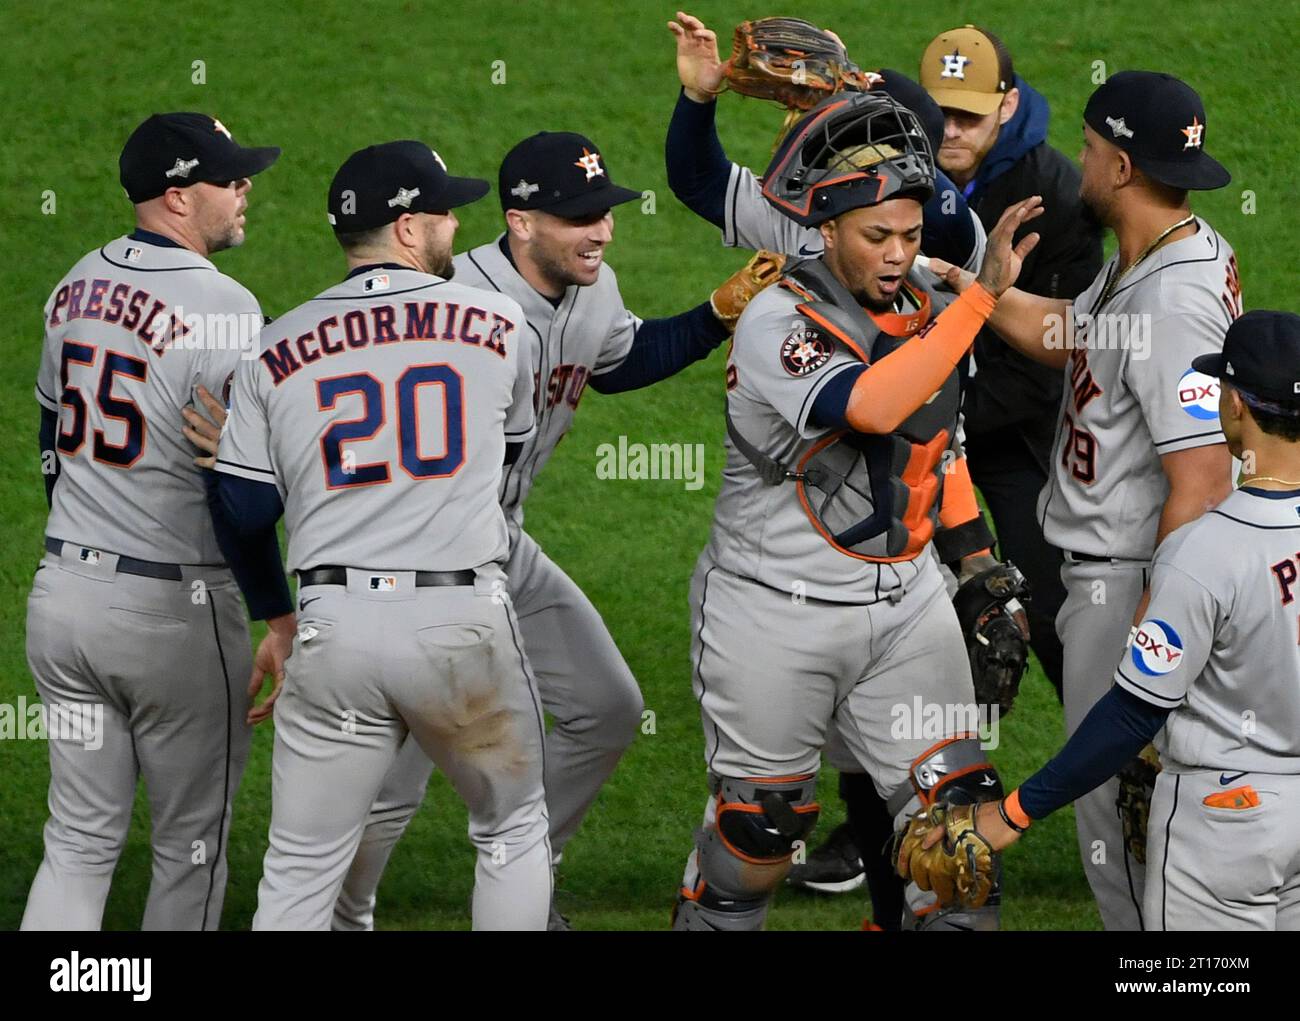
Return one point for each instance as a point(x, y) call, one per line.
point(383, 583)
point(1157, 648)
point(1198, 395)
point(89, 556)
point(133, 254)
point(377, 283)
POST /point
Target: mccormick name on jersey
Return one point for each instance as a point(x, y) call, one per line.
point(442, 321)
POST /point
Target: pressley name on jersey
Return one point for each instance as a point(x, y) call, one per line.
point(1132, 395)
point(120, 360)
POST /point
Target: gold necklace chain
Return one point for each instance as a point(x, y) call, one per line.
point(1269, 478)
point(1115, 281)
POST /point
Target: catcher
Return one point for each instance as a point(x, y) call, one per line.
point(798, 64)
point(817, 606)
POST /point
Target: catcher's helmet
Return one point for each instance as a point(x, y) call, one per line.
point(851, 150)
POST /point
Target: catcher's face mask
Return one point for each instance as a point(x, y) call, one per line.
point(851, 150)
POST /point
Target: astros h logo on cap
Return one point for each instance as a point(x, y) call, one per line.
point(559, 172)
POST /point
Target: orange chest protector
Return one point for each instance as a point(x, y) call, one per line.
point(872, 497)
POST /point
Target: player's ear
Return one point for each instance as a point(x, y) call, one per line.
point(519, 223)
point(408, 235)
point(828, 232)
point(178, 201)
point(1124, 169)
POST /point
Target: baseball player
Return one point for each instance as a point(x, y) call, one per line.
point(730, 196)
point(817, 606)
point(1210, 674)
point(1139, 450)
point(377, 417)
point(556, 192)
point(160, 645)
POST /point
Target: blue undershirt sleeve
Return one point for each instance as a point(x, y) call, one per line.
point(244, 514)
point(1118, 727)
point(663, 347)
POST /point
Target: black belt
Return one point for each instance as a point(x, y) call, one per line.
point(1088, 557)
point(125, 565)
point(423, 579)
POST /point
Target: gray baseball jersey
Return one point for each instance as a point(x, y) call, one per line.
point(1132, 395)
point(129, 332)
point(763, 532)
point(387, 380)
point(587, 332)
point(1218, 644)
point(752, 222)
point(583, 681)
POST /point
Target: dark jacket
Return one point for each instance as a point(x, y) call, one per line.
point(1009, 389)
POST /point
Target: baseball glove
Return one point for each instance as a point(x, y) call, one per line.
point(1137, 782)
point(790, 61)
point(730, 299)
point(993, 619)
point(959, 868)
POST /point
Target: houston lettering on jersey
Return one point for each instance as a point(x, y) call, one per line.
point(118, 303)
point(1081, 382)
point(361, 328)
point(566, 383)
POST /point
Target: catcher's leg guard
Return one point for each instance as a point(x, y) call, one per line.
point(743, 851)
point(956, 771)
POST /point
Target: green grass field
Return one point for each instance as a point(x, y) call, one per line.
point(323, 79)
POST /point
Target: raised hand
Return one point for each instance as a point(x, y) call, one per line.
point(698, 65)
point(1002, 260)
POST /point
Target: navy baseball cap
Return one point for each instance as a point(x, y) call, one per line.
point(176, 150)
point(378, 184)
point(559, 172)
point(1261, 355)
point(1160, 122)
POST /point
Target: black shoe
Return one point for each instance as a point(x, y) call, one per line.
point(834, 867)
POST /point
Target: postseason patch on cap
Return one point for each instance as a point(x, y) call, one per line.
point(1198, 395)
point(805, 350)
point(1157, 649)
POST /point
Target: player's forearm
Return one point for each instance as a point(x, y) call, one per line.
point(252, 553)
point(49, 436)
point(1118, 727)
point(959, 504)
point(964, 537)
point(698, 168)
point(662, 348)
point(1033, 325)
point(896, 386)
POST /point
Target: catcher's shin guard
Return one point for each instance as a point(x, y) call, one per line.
point(958, 772)
point(743, 851)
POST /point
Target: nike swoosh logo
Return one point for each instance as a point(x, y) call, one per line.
point(1224, 778)
point(306, 602)
point(804, 251)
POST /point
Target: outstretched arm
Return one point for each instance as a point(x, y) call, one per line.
point(1033, 325)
